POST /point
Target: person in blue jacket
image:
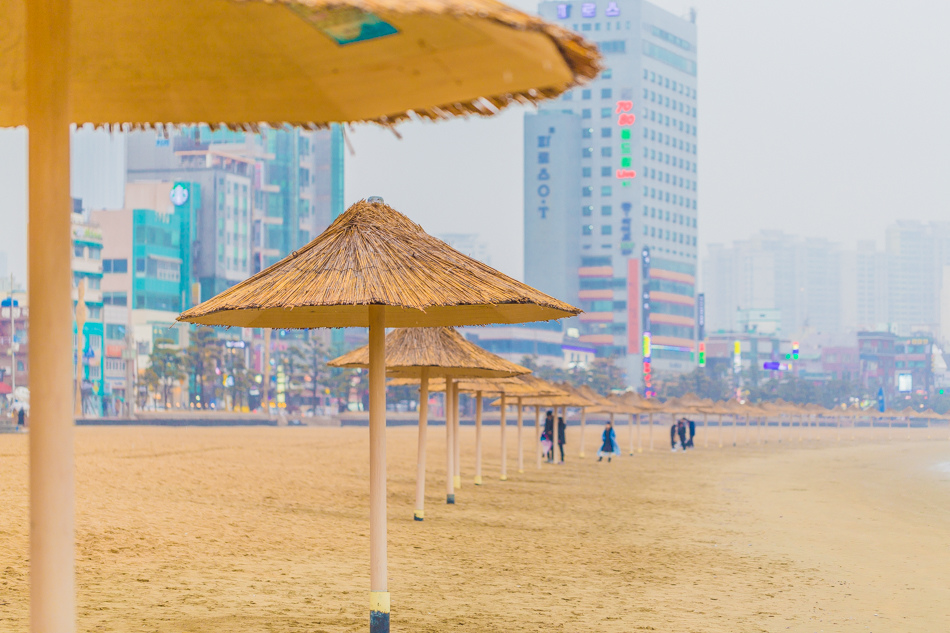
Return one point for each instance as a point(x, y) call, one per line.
point(608, 445)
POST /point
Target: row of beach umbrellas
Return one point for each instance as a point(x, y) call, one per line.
point(130, 64)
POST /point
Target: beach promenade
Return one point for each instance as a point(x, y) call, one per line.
point(265, 529)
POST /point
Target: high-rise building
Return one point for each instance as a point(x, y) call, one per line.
point(610, 172)
point(801, 278)
point(916, 255)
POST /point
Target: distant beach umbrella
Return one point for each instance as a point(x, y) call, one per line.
point(375, 268)
point(427, 353)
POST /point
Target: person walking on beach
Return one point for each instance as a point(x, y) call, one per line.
point(561, 435)
point(673, 436)
point(681, 431)
point(608, 444)
point(692, 433)
point(549, 434)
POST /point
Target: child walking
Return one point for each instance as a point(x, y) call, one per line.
point(608, 444)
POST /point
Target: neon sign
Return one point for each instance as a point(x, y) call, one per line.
point(625, 118)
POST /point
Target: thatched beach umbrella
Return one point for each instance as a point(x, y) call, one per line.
point(424, 353)
point(80, 61)
point(375, 268)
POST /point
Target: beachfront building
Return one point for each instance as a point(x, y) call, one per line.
point(89, 344)
point(611, 172)
point(901, 365)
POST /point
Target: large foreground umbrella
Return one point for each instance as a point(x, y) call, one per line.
point(242, 63)
point(426, 353)
point(374, 268)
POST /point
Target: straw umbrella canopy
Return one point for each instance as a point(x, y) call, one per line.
point(79, 61)
point(374, 267)
point(427, 352)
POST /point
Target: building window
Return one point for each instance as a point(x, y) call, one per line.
point(585, 94)
point(585, 113)
point(587, 229)
point(606, 209)
point(606, 93)
point(606, 152)
point(605, 171)
point(606, 113)
point(587, 210)
point(587, 192)
point(606, 190)
point(585, 172)
point(587, 132)
point(587, 152)
point(606, 132)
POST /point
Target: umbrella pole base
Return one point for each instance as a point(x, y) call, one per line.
point(457, 481)
point(450, 499)
point(478, 481)
point(504, 477)
point(379, 612)
point(582, 455)
point(419, 515)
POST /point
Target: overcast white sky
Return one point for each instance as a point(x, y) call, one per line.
point(825, 118)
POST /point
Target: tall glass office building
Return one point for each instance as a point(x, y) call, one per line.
point(611, 185)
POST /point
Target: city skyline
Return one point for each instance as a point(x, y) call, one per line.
point(771, 159)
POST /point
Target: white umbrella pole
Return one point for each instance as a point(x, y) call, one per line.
point(52, 499)
point(735, 429)
point(720, 430)
point(520, 437)
point(449, 443)
point(379, 589)
point(537, 432)
point(639, 434)
point(583, 430)
point(478, 438)
point(706, 428)
point(456, 439)
point(612, 426)
point(758, 429)
point(423, 428)
point(630, 424)
point(651, 430)
point(504, 444)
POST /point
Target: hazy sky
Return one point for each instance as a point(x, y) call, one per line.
point(825, 118)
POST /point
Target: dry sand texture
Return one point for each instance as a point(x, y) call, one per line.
point(265, 529)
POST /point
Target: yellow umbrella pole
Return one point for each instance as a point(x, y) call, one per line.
point(478, 438)
point(520, 436)
point(583, 429)
point(379, 590)
point(537, 431)
point(504, 444)
point(456, 439)
point(52, 549)
point(449, 443)
point(423, 428)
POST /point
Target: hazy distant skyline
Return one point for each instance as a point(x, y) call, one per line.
point(818, 118)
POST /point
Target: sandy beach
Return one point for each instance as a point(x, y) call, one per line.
point(266, 529)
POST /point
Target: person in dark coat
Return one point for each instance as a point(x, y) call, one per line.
point(549, 433)
point(673, 436)
point(21, 418)
point(681, 431)
point(561, 435)
point(692, 433)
